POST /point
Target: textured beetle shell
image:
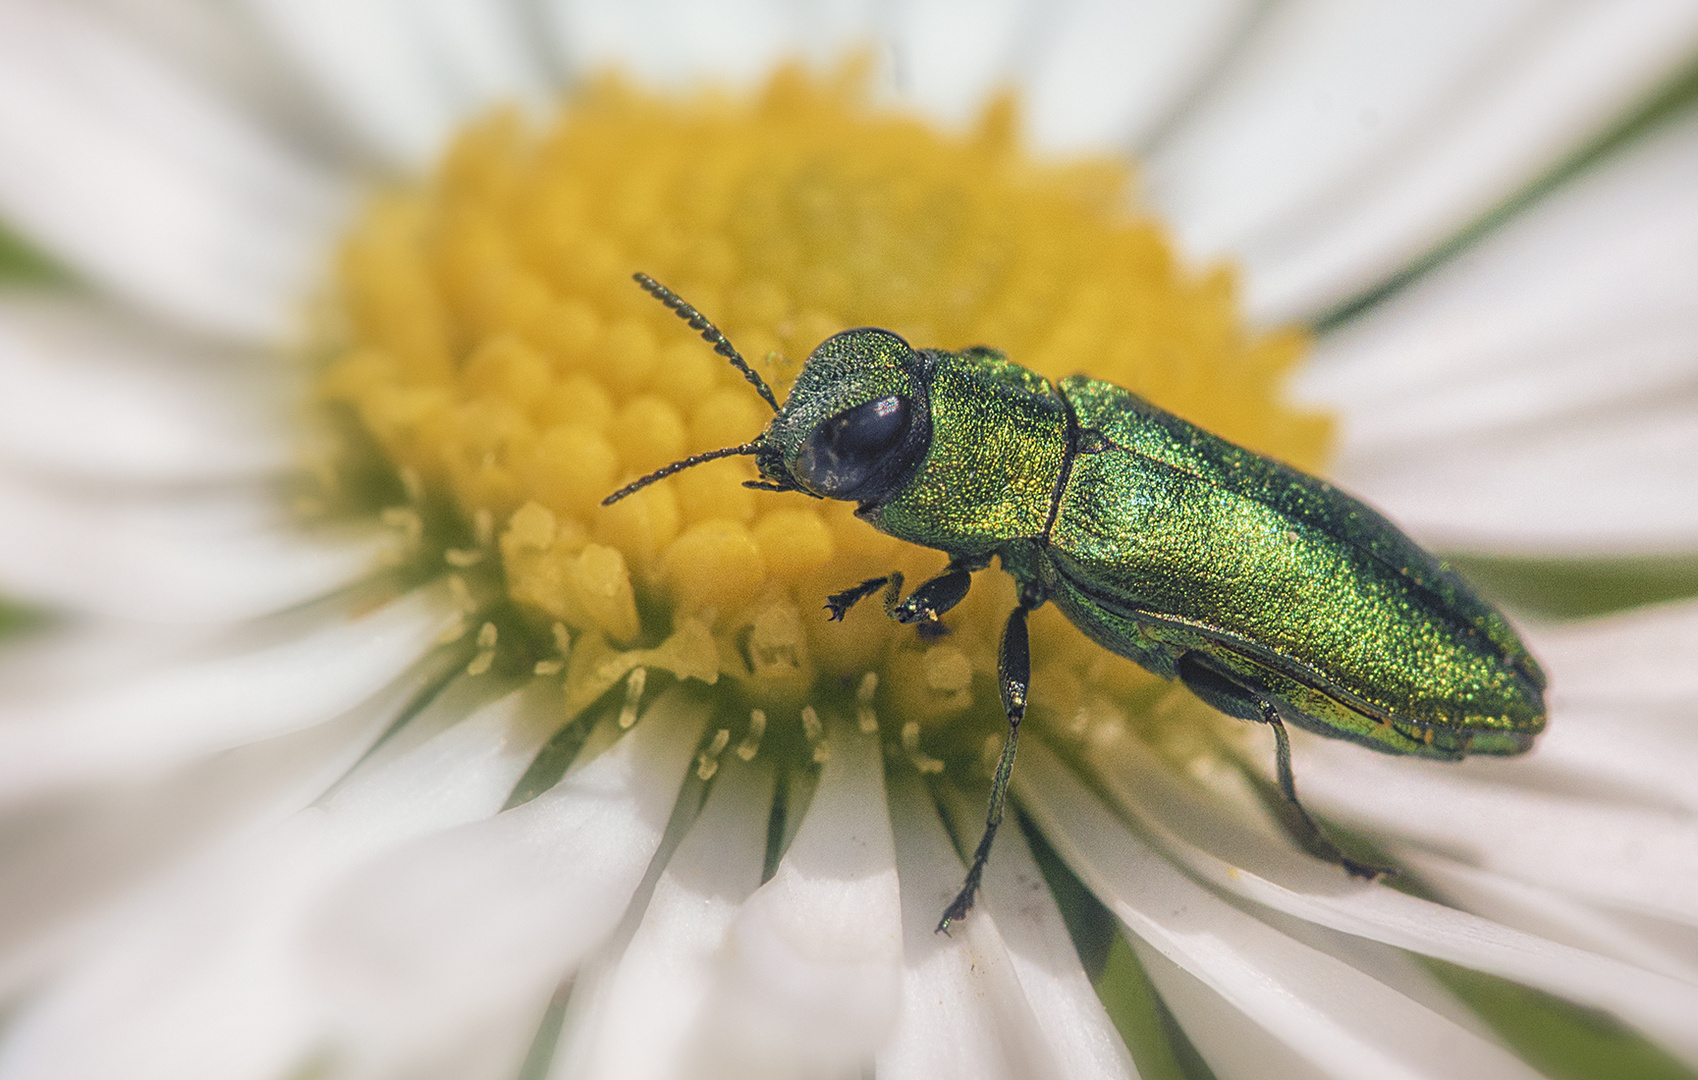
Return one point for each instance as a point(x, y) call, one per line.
point(1156, 538)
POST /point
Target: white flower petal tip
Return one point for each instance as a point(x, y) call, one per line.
point(150, 186)
point(144, 725)
point(1213, 843)
point(1338, 1020)
point(810, 979)
point(450, 934)
point(964, 1011)
point(647, 1016)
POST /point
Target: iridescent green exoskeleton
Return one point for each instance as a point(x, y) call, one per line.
point(1270, 594)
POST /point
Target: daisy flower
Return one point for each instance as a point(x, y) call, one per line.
point(348, 735)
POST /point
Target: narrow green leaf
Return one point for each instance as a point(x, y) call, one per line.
point(1675, 96)
point(1562, 1040)
point(1158, 1045)
point(22, 264)
point(1579, 588)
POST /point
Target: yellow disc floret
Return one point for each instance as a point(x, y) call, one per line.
point(499, 355)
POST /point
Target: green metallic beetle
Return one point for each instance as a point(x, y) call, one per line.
point(1270, 594)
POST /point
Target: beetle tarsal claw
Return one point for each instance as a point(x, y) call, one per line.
point(837, 605)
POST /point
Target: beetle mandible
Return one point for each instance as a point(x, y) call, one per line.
point(1270, 594)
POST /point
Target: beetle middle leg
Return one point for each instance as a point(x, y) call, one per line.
point(1232, 697)
point(1014, 677)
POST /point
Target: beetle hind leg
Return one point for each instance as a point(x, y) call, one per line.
point(1225, 693)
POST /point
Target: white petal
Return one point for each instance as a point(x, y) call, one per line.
point(69, 866)
point(1107, 73)
point(1323, 88)
point(591, 987)
point(1608, 484)
point(221, 49)
point(812, 975)
point(1592, 64)
point(654, 1003)
point(1522, 398)
point(163, 718)
point(487, 49)
point(1635, 660)
point(1269, 870)
point(680, 42)
point(456, 761)
point(442, 938)
point(64, 655)
point(1613, 753)
point(964, 1012)
point(1548, 914)
point(1640, 857)
point(950, 54)
point(1070, 1016)
point(370, 62)
point(498, 1051)
point(1349, 139)
point(200, 982)
point(171, 556)
point(93, 393)
point(1231, 1044)
point(1340, 1021)
point(115, 165)
point(1520, 319)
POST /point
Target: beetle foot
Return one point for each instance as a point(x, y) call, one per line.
point(837, 605)
point(1366, 871)
point(960, 906)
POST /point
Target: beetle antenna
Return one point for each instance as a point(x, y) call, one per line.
point(710, 333)
point(679, 466)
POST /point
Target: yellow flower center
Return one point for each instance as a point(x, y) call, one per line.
point(499, 355)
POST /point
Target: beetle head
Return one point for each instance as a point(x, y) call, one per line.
point(856, 422)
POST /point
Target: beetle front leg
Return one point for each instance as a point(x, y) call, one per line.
point(933, 599)
point(1014, 677)
point(838, 604)
point(927, 604)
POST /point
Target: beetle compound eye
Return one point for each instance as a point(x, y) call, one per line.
point(850, 449)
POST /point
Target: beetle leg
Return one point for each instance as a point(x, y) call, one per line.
point(1235, 699)
point(1311, 836)
point(1014, 676)
point(838, 604)
point(932, 600)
